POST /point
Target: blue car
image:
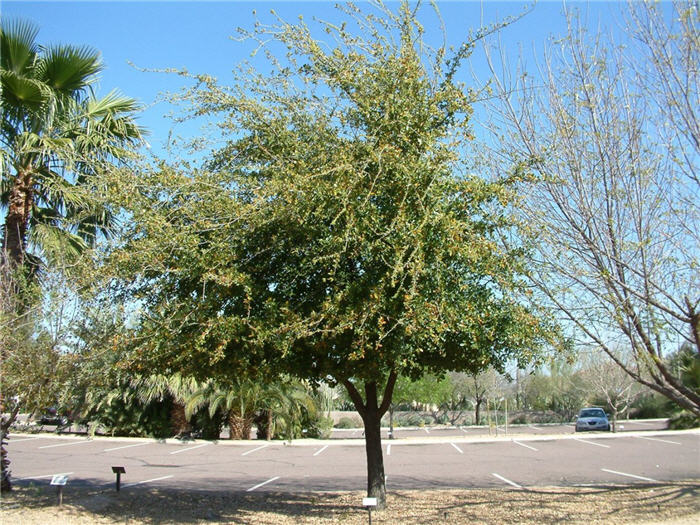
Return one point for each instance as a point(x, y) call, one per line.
point(592, 419)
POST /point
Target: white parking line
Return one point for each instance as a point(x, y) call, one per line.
point(463, 429)
point(660, 440)
point(320, 450)
point(45, 476)
point(536, 428)
point(251, 489)
point(458, 449)
point(524, 445)
point(146, 481)
point(507, 480)
point(254, 450)
point(426, 431)
point(12, 440)
point(190, 448)
point(591, 443)
point(66, 444)
point(125, 446)
point(628, 475)
point(388, 449)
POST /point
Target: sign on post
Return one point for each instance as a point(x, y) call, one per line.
point(368, 503)
point(119, 471)
point(59, 481)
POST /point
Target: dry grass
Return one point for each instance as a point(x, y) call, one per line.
point(671, 503)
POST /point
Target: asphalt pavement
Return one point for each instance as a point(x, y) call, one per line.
point(421, 458)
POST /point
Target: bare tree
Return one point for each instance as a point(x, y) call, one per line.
point(612, 383)
point(479, 387)
point(612, 134)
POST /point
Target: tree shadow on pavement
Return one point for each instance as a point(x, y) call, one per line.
point(653, 503)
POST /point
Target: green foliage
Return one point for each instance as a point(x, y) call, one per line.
point(122, 413)
point(563, 391)
point(651, 406)
point(686, 364)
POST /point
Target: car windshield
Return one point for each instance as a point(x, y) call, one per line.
point(592, 413)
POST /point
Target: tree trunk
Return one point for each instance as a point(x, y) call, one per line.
point(6, 421)
point(19, 208)
point(371, 412)
point(376, 485)
point(477, 411)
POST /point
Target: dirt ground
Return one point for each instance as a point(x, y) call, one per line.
point(673, 503)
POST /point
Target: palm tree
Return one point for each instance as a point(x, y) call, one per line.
point(277, 407)
point(239, 400)
point(56, 136)
point(179, 388)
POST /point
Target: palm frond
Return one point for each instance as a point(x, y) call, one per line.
point(20, 94)
point(113, 103)
point(57, 244)
point(18, 47)
point(69, 69)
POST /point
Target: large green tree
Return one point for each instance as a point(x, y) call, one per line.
point(336, 234)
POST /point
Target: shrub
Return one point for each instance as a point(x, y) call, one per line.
point(651, 406)
point(411, 420)
point(684, 420)
point(320, 428)
point(348, 422)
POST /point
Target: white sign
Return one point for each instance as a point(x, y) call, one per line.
point(59, 479)
point(369, 502)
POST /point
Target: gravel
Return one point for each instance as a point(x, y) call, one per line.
point(667, 503)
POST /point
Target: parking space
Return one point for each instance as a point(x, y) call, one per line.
point(440, 461)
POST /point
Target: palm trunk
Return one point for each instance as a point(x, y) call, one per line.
point(19, 208)
point(178, 420)
point(239, 426)
point(263, 422)
point(14, 243)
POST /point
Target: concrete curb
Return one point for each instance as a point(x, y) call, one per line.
point(360, 442)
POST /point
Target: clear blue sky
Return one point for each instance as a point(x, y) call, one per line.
point(196, 36)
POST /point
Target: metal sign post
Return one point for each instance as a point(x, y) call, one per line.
point(119, 471)
point(59, 481)
point(368, 503)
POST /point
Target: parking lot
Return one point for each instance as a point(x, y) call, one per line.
point(498, 431)
point(425, 459)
